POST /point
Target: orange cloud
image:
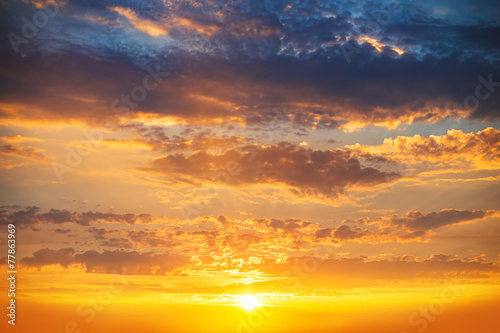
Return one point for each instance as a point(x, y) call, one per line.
point(378, 45)
point(149, 27)
point(190, 24)
point(19, 138)
point(6, 164)
point(30, 153)
point(456, 149)
point(158, 28)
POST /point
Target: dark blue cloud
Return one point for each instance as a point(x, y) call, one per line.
point(262, 55)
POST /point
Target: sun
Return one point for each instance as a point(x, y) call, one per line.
point(249, 302)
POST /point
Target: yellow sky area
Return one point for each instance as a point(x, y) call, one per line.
point(191, 318)
point(100, 302)
point(204, 287)
point(158, 318)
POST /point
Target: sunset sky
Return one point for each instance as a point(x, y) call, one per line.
point(251, 166)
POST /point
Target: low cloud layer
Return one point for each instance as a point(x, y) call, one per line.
point(110, 262)
point(31, 216)
point(204, 242)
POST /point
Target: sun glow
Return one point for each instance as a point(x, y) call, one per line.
point(249, 302)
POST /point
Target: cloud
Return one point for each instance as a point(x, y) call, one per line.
point(417, 221)
point(30, 216)
point(108, 262)
point(7, 164)
point(344, 232)
point(240, 62)
point(62, 231)
point(320, 173)
point(223, 243)
point(414, 226)
point(44, 257)
point(154, 238)
point(30, 153)
point(19, 138)
point(378, 234)
point(286, 226)
point(355, 270)
point(86, 218)
point(456, 149)
point(213, 235)
point(156, 140)
point(100, 233)
point(21, 218)
point(144, 25)
point(120, 243)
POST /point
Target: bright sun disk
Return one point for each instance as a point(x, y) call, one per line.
point(249, 302)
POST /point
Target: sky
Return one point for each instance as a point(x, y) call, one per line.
point(251, 166)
